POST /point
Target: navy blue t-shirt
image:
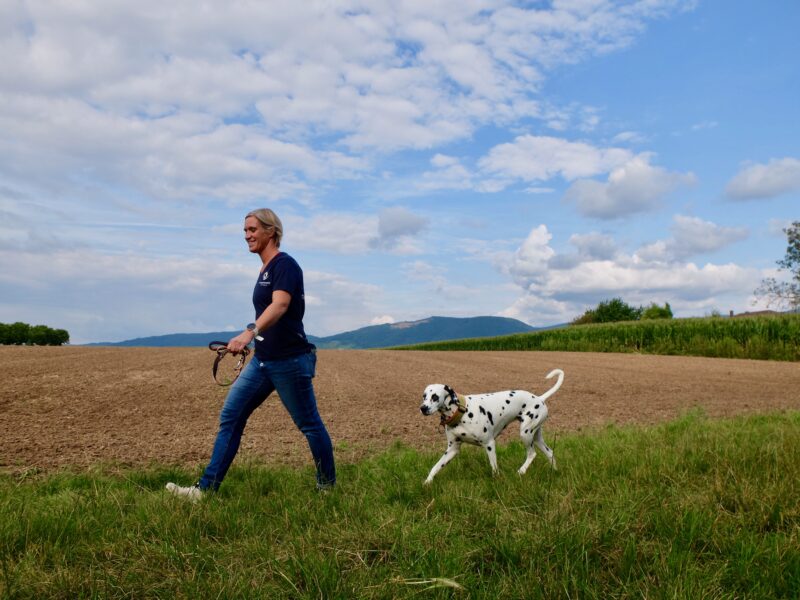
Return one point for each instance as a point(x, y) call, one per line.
point(286, 338)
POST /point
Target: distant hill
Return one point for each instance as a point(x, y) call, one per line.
point(175, 339)
point(432, 329)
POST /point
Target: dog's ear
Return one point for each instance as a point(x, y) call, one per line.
point(450, 391)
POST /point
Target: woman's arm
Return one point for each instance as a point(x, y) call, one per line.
point(268, 318)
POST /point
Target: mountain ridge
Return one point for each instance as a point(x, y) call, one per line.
point(430, 329)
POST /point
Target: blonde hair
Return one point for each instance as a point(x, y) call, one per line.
point(269, 221)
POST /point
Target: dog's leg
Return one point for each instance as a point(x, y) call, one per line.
point(539, 441)
point(492, 454)
point(526, 433)
point(453, 447)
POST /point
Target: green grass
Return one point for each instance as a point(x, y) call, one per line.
point(763, 338)
point(697, 508)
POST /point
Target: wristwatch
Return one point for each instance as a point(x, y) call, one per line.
point(252, 327)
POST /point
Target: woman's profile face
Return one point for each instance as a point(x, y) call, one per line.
point(255, 235)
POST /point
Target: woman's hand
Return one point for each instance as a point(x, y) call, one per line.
point(238, 343)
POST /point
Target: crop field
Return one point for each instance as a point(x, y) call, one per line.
point(753, 337)
point(82, 406)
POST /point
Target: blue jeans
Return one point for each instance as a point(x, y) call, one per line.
point(291, 377)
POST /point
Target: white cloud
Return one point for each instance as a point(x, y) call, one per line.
point(397, 228)
point(778, 176)
point(529, 263)
point(539, 158)
point(695, 236)
point(382, 320)
point(633, 187)
point(564, 286)
point(394, 229)
point(449, 174)
point(588, 247)
point(339, 233)
point(691, 236)
point(246, 100)
point(594, 245)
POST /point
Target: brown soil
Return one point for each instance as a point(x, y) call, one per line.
point(82, 406)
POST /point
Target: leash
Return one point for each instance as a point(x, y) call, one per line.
point(221, 348)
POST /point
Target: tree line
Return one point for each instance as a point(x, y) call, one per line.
point(35, 335)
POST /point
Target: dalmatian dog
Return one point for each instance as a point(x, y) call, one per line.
point(478, 419)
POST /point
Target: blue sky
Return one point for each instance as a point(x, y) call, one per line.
point(479, 157)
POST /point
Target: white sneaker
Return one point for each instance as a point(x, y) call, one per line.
point(193, 493)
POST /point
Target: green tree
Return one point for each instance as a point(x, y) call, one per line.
point(585, 318)
point(614, 310)
point(58, 337)
point(654, 311)
point(610, 311)
point(785, 294)
point(17, 333)
point(39, 335)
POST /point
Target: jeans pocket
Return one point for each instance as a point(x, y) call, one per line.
point(312, 363)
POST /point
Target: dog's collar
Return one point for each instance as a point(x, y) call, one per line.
point(454, 419)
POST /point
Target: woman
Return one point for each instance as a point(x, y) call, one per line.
point(284, 361)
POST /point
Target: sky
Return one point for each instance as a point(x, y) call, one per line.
point(451, 158)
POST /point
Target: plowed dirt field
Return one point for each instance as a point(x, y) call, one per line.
point(83, 406)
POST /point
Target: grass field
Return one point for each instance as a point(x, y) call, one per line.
point(696, 508)
point(763, 338)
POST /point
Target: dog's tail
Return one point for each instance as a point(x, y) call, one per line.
point(553, 389)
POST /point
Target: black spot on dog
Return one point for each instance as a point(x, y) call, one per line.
point(535, 416)
point(512, 393)
point(519, 419)
point(469, 415)
point(490, 418)
point(509, 401)
point(489, 448)
point(530, 414)
point(536, 406)
point(483, 410)
point(524, 405)
point(484, 430)
point(435, 397)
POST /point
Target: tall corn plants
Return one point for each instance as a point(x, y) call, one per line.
point(765, 338)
